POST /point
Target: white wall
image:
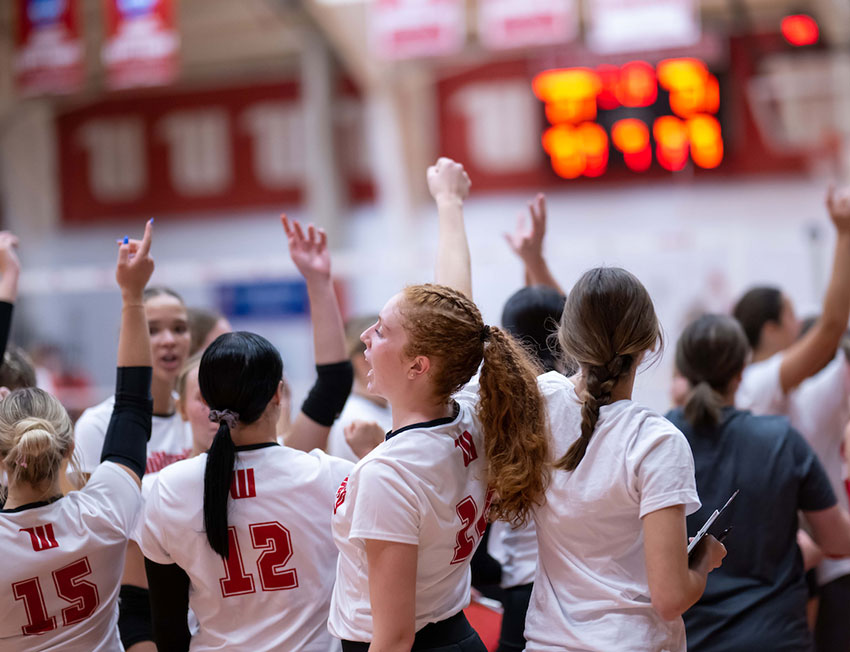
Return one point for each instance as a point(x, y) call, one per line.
point(694, 246)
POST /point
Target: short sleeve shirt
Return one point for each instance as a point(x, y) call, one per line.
point(274, 590)
point(62, 566)
point(425, 486)
point(757, 598)
point(591, 590)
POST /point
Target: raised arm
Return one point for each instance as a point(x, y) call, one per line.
point(309, 252)
point(449, 186)
point(527, 243)
point(10, 271)
point(816, 348)
point(130, 425)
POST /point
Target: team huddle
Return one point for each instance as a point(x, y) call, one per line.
point(188, 511)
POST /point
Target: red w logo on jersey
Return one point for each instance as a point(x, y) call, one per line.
point(340, 494)
point(42, 537)
point(242, 485)
point(467, 447)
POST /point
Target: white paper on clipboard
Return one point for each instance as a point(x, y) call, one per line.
point(708, 523)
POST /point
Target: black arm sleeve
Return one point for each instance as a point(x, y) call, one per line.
point(6, 309)
point(129, 428)
point(330, 391)
point(169, 592)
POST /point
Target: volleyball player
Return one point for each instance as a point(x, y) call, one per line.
point(613, 570)
point(63, 555)
point(242, 533)
point(413, 510)
point(170, 441)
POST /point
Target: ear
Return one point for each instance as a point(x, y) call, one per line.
point(420, 366)
point(279, 393)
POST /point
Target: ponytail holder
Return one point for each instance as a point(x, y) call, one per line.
point(485, 334)
point(21, 461)
point(225, 416)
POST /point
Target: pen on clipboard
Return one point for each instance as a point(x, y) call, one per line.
point(709, 522)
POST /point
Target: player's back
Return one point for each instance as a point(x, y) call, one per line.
point(62, 564)
point(274, 590)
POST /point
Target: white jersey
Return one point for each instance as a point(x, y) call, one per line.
point(171, 438)
point(273, 592)
point(62, 565)
point(819, 410)
point(515, 548)
point(591, 591)
point(425, 486)
point(760, 390)
point(356, 408)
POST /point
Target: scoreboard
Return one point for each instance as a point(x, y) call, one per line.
point(636, 114)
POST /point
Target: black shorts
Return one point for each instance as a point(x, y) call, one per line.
point(454, 634)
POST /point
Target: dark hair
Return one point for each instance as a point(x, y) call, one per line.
point(608, 322)
point(17, 370)
point(711, 351)
point(158, 291)
point(446, 326)
point(201, 323)
point(240, 372)
point(532, 315)
point(757, 307)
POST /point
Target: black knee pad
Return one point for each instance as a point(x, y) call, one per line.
point(134, 615)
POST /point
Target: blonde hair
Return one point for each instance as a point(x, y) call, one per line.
point(446, 326)
point(191, 364)
point(36, 435)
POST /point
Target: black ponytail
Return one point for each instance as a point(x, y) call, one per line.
point(239, 372)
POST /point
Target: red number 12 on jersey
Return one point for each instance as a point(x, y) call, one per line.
point(274, 540)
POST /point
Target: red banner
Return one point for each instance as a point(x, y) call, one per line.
point(48, 47)
point(141, 44)
point(198, 152)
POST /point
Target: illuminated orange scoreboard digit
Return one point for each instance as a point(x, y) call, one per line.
point(578, 145)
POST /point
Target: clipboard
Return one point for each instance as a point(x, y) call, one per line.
point(708, 523)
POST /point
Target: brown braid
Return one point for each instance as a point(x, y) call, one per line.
point(446, 326)
point(608, 321)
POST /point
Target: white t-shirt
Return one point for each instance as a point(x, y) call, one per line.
point(515, 548)
point(819, 409)
point(356, 408)
point(591, 590)
point(274, 591)
point(171, 438)
point(425, 486)
point(760, 390)
point(62, 565)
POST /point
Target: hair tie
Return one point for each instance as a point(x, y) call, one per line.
point(225, 416)
point(485, 334)
point(21, 461)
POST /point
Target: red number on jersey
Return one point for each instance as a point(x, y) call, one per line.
point(276, 543)
point(30, 592)
point(274, 540)
point(467, 447)
point(467, 510)
point(70, 586)
point(235, 581)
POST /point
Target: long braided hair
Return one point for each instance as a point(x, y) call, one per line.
point(446, 326)
point(608, 322)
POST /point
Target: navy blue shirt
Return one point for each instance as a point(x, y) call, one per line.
point(757, 599)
